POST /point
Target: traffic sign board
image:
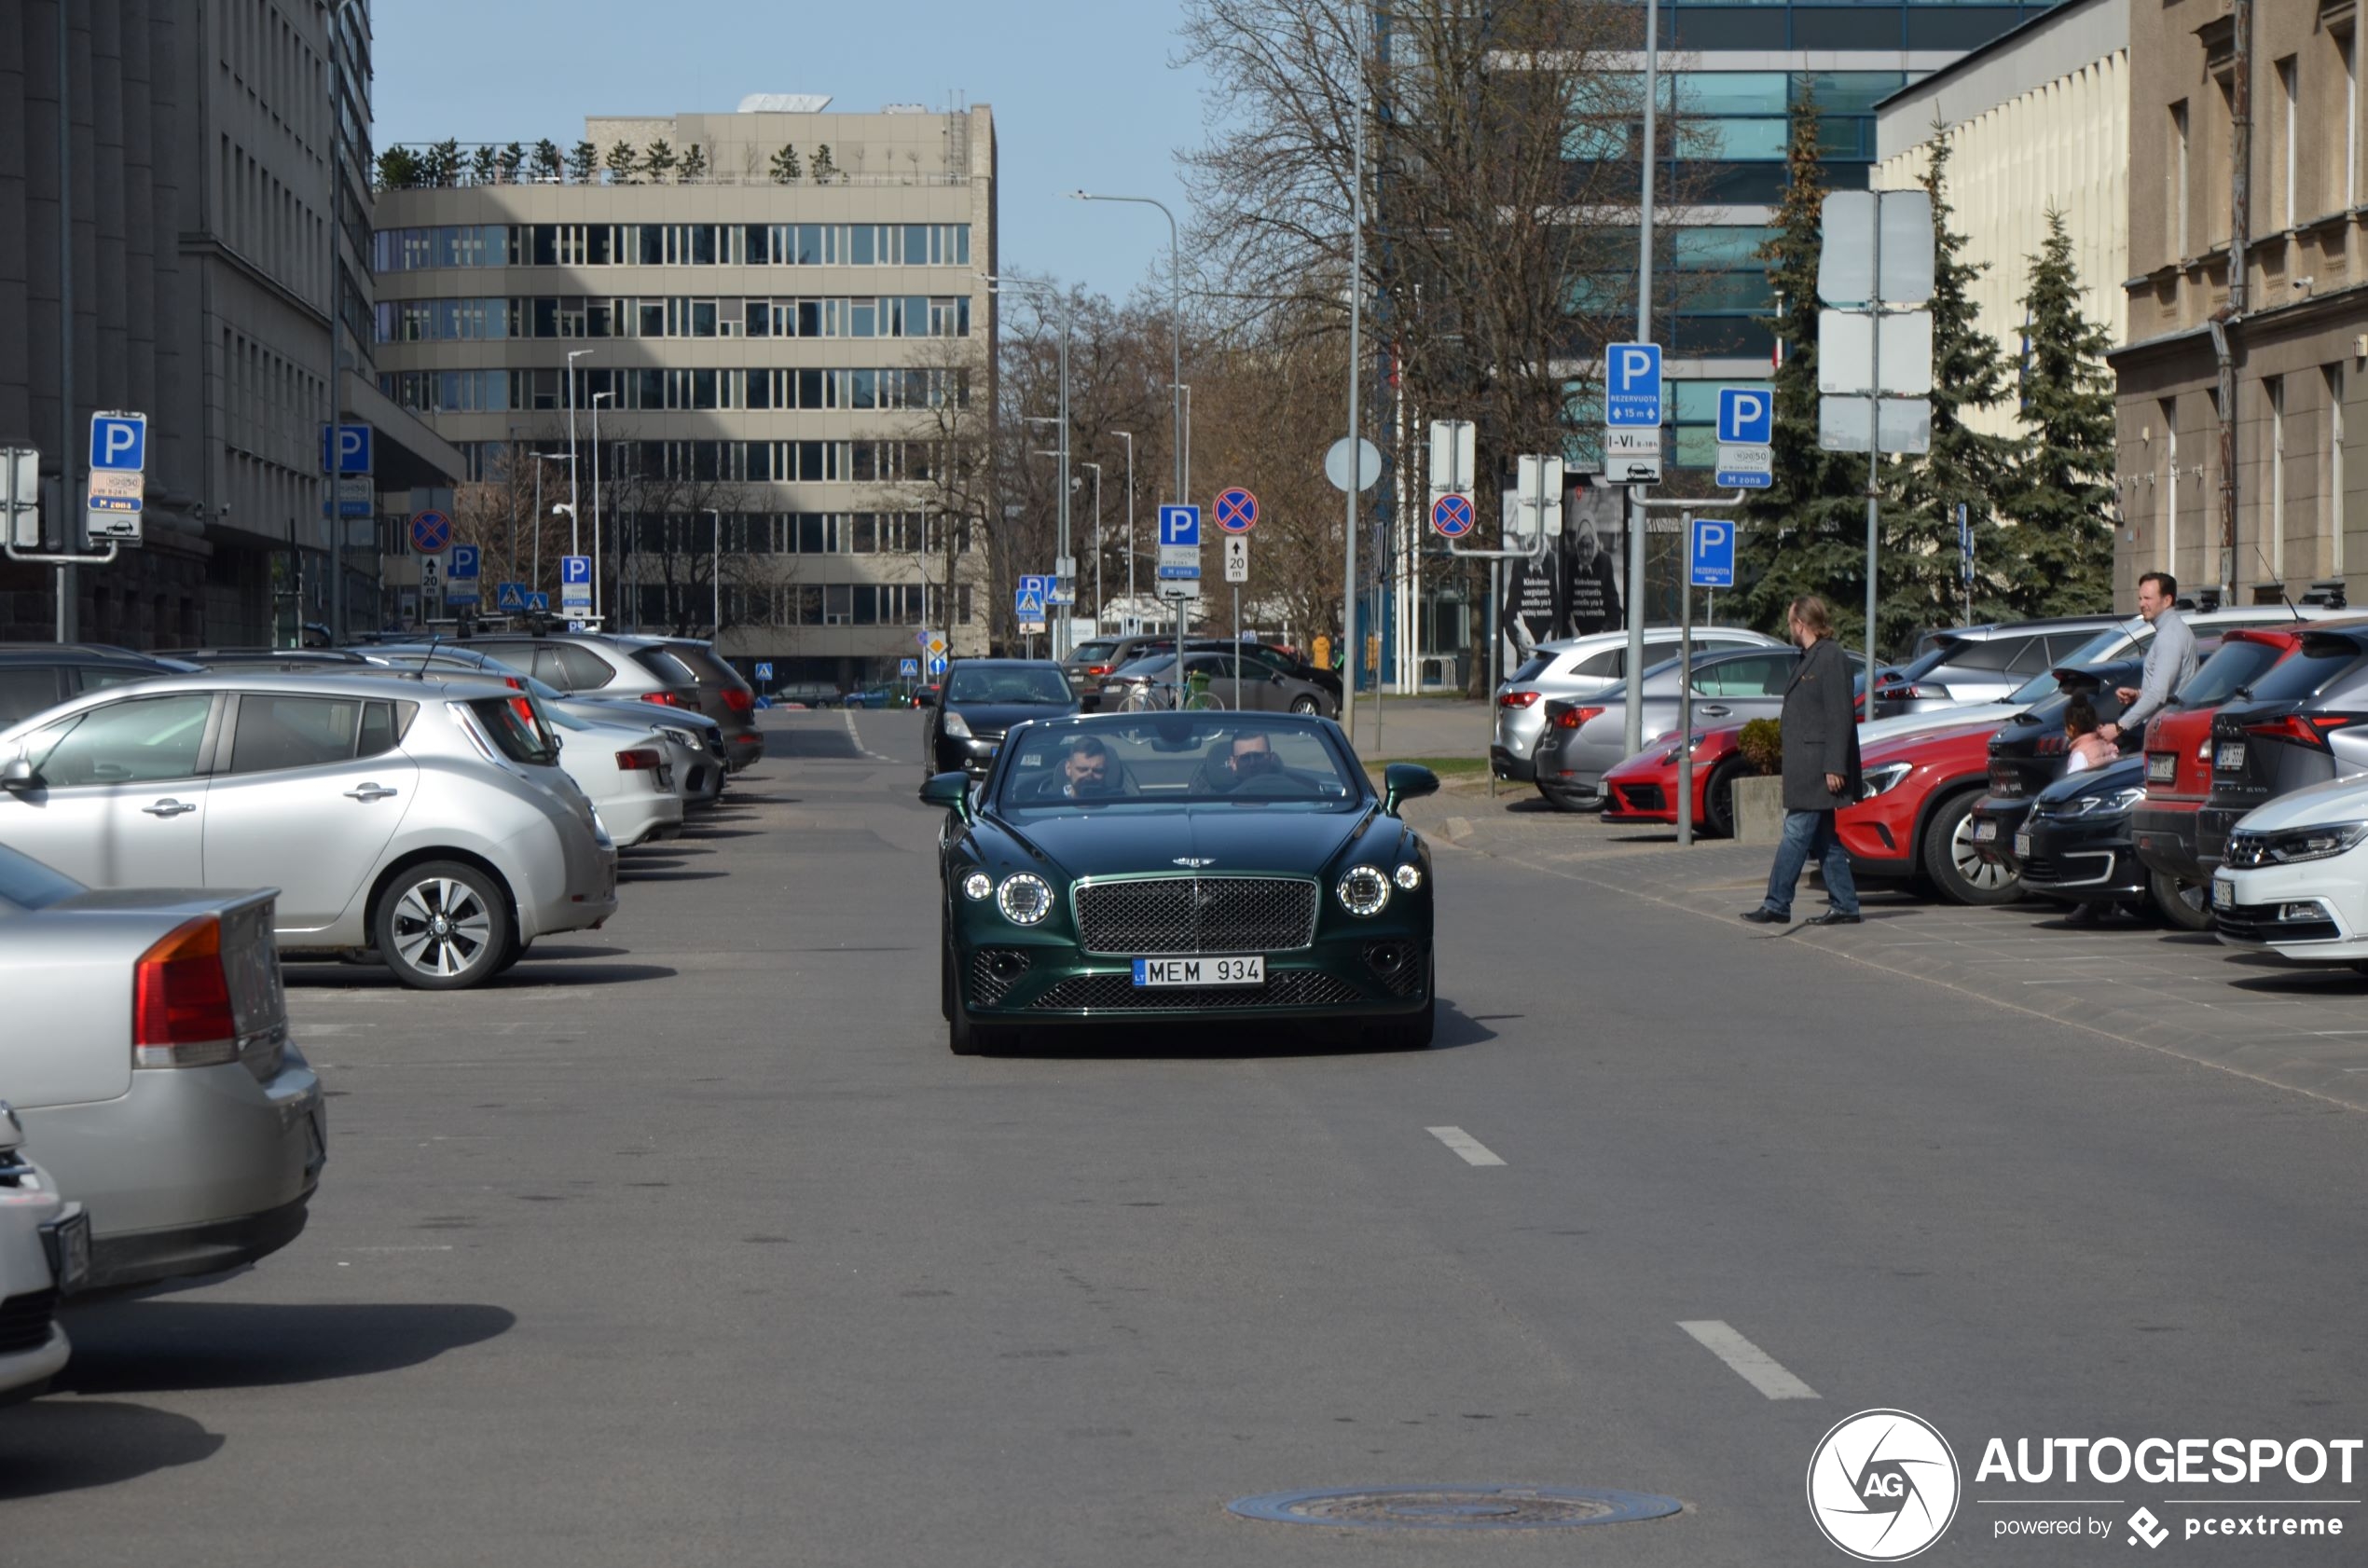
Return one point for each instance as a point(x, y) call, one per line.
point(119, 441)
point(1713, 553)
point(1632, 456)
point(353, 449)
point(432, 535)
point(510, 597)
point(538, 601)
point(1237, 557)
point(1747, 468)
point(1746, 416)
point(117, 490)
point(1452, 514)
point(1633, 386)
point(907, 668)
point(937, 664)
point(464, 561)
point(1028, 606)
point(1236, 510)
point(1181, 526)
point(575, 582)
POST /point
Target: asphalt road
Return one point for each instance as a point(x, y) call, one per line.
point(690, 1243)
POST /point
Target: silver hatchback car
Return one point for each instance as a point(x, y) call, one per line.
point(1583, 667)
point(422, 821)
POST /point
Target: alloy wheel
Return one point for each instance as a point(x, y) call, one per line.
point(1981, 872)
point(442, 928)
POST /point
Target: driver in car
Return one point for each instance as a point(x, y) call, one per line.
point(1085, 771)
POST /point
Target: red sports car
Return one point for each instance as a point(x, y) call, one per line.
point(1644, 789)
point(1910, 823)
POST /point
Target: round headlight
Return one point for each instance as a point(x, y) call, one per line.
point(977, 885)
point(1408, 877)
point(1364, 890)
point(1025, 900)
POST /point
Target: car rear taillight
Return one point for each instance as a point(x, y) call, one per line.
point(1576, 717)
point(181, 1014)
point(664, 699)
point(524, 709)
point(1518, 699)
point(639, 760)
point(1099, 670)
point(2305, 729)
point(739, 699)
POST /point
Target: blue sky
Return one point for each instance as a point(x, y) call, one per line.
point(1083, 93)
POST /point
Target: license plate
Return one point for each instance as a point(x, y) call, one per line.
point(68, 1244)
point(2230, 757)
point(2022, 847)
point(1200, 971)
point(2162, 767)
point(2224, 893)
point(1985, 832)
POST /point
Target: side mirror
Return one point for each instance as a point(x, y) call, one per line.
point(951, 791)
point(1405, 781)
point(17, 776)
point(1276, 677)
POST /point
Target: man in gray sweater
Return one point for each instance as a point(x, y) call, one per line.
point(2171, 657)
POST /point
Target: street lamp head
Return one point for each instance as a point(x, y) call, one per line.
point(562, 510)
point(1081, 196)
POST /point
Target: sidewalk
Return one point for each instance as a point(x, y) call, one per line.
point(2177, 992)
point(1422, 727)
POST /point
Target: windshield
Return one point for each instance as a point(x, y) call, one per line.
point(1246, 760)
point(2237, 662)
point(519, 736)
point(1096, 652)
point(1015, 683)
point(2315, 664)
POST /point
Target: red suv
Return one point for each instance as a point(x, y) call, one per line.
point(1910, 823)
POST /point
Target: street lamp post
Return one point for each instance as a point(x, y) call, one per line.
point(1128, 436)
point(598, 398)
point(1175, 327)
point(576, 541)
point(715, 573)
point(535, 582)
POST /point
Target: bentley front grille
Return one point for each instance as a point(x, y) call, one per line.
point(1118, 992)
point(1152, 916)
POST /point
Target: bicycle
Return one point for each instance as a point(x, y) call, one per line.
point(1161, 696)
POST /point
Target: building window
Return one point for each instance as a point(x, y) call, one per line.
point(2273, 388)
point(2344, 56)
point(2289, 92)
point(2177, 206)
point(2331, 504)
point(2169, 411)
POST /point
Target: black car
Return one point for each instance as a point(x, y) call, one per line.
point(2075, 846)
point(2028, 753)
point(980, 700)
point(2303, 722)
point(34, 676)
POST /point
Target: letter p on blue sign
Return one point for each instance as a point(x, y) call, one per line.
point(119, 442)
point(1746, 416)
point(1712, 556)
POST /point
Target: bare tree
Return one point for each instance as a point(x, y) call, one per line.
point(944, 467)
point(690, 547)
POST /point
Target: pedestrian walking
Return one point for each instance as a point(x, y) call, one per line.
point(1819, 726)
point(2171, 657)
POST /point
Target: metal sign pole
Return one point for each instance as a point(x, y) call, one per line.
point(1685, 686)
point(1873, 453)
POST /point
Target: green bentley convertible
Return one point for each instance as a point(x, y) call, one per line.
point(1182, 865)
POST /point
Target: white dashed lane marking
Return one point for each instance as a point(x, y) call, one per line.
point(1473, 1151)
point(1749, 1362)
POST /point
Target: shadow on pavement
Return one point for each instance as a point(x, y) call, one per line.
point(1221, 1039)
point(2294, 980)
point(371, 977)
point(174, 1343)
point(663, 873)
point(67, 1445)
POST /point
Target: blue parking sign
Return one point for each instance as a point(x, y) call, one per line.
point(1180, 524)
point(1746, 416)
point(119, 441)
point(1633, 386)
point(1711, 553)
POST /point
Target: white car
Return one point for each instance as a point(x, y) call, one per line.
point(421, 819)
point(2294, 881)
point(45, 1251)
point(626, 772)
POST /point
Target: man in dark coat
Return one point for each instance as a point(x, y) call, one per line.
point(1821, 771)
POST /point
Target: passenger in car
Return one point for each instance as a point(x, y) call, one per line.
point(2086, 747)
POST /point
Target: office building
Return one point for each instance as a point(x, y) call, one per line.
point(2236, 406)
point(2035, 121)
point(779, 319)
point(199, 280)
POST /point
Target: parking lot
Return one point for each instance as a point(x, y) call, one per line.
point(687, 1241)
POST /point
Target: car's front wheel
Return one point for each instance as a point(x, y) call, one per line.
point(962, 1037)
point(1957, 870)
point(444, 925)
point(1307, 705)
point(1718, 801)
point(2184, 905)
point(1414, 1031)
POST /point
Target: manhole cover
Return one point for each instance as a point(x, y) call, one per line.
point(1456, 1507)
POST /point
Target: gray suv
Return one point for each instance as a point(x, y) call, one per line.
point(670, 672)
point(1582, 666)
point(1982, 663)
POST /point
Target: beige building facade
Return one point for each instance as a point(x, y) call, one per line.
point(2293, 347)
point(2037, 121)
point(789, 347)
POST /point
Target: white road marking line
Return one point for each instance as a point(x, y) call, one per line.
point(1474, 1151)
point(1749, 1362)
point(848, 715)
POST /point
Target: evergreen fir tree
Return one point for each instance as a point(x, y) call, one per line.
point(786, 168)
point(623, 163)
point(544, 160)
point(694, 164)
point(2062, 508)
point(825, 171)
point(583, 163)
point(659, 161)
point(1806, 533)
point(1922, 586)
point(513, 158)
point(482, 164)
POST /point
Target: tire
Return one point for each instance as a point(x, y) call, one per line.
point(1956, 872)
point(1306, 705)
point(964, 1038)
point(476, 910)
point(1414, 1031)
point(2184, 905)
point(1718, 802)
point(945, 980)
point(510, 959)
